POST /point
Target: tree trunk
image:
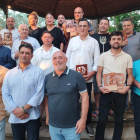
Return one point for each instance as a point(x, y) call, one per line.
point(115, 23)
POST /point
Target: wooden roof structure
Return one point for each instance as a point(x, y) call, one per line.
point(93, 9)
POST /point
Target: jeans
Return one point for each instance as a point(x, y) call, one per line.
point(2, 129)
point(32, 128)
point(104, 106)
point(136, 104)
point(89, 88)
point(63, 133)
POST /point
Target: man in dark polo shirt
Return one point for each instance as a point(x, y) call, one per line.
point(63, 88)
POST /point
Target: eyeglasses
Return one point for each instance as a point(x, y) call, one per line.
point(84, 26)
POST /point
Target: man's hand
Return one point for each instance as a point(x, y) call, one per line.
point(123, 90)
point(47, 120)
point(89, 76)
point(80, 126)
point(16, 55)
point(104, 90)
point(18, 112)
point(125, 43)
point(11, 44)
point(24, 116)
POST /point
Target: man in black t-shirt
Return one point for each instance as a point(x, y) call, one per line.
point(103, 39)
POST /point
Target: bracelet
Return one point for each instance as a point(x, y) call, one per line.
point(24, 110)
point(100, 86)
point(128, 85)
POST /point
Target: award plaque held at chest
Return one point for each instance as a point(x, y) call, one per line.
point(82, 69)
point(110, 81)
point(124, 35)
point(7, 38)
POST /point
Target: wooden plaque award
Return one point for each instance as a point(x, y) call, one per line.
point(82, 69)
point(124, 35)
point(73, 30)
point(7, 38)
point(22, 42)
point(110, 81)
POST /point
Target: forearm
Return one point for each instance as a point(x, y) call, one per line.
point(46, 105)
point(27, 106)
point(136, 83)
point(61, 47)
point(130, 79)
point(99, 79)
point(84, 106)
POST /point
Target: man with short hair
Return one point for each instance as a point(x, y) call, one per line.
point(133, 48)
point(43, 56)
point(22, 94)
point(103, 38)
point(63, 88)
point(10, 23)
point(118, 62)
point(24, 31)
point(61, 20)
point(78, 14)
point(84, 49)
point(5, 56)
point(3, 71)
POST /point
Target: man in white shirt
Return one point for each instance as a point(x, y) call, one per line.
point(43, 56)
point(10, 22)
point(84, 49)
point(24, 31)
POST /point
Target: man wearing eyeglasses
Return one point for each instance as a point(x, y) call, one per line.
point(84, 50)
point(43, 55)
point(24, 31)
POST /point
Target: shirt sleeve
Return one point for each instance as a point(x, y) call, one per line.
point(130, 62)
point(101, 60)
point(33, 60)
point(37, 99)
point(10, 62)
point(81, 83)
point(37, 45)
point(10, 105)
point(96, 55)
point(13, 50)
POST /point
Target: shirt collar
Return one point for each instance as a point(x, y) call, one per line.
point(109, 52)
point(25, 38)
point(85, 38)
point(66, 72)
point(26, 67)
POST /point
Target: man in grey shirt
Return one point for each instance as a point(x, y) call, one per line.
point(133, 48)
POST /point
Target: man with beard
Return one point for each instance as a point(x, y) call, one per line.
point(113, 61)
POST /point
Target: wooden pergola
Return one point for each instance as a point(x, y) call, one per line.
point(93, 9)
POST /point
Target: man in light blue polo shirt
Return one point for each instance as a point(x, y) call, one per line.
point(136, 100)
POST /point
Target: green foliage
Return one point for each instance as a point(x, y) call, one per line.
point(20, 18)
point(135, 15)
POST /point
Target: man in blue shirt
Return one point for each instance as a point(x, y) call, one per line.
point(5, 56)
point(136, 99)
point(22, 94)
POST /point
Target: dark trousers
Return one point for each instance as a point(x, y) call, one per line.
point(136, 104)
point(89, 88)
point(32, 128)
point(104, 106)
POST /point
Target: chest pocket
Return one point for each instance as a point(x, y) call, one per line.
point(30, 82)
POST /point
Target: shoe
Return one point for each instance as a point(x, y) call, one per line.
point(125, 116)
point(90, 131)
point(95, 114)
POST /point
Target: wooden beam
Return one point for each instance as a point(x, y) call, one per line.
point(94, 5)
point(56, 5)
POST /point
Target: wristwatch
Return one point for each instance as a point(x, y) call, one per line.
point(128, 85)
point(24, 110)
point(100, 86)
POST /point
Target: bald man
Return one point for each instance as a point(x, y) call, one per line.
point(78, 14)
point(10, 22)
point(25, 39)
point(63, 88)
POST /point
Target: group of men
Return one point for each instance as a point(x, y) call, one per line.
point(43, 77)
